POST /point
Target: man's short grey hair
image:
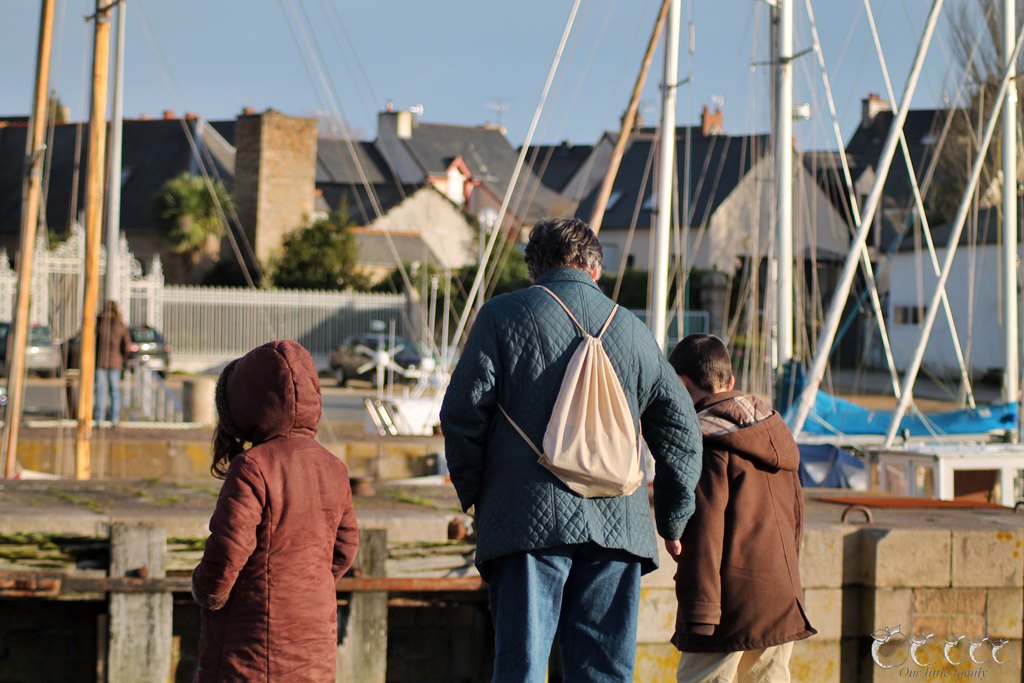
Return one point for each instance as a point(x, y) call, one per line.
point(562, 243)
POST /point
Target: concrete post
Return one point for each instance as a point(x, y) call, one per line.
point(198, 400)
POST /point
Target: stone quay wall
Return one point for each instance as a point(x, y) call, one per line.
point(859, 580)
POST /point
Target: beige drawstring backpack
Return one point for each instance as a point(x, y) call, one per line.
point(591, 442)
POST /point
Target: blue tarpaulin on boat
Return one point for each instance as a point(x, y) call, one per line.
point(833, 415)
point(826, 466)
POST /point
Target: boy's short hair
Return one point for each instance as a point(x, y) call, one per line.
point(704, 360)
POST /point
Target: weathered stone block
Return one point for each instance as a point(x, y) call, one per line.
point(949, 601)
point(937, 669)
point(898, 558)
point(988, 558)
point(1005, 613)
point(657, 618)
point(815, 661)
point(821, 558)
point(824, 607)
point(656, 664)
point(937, 624)
point(888, 607)
point(853, 556)
point(971, 624)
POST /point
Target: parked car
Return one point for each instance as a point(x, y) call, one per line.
point(42, 357)
point(352, 354)
point(148, 348)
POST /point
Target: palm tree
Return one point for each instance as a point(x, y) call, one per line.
point(190, 214)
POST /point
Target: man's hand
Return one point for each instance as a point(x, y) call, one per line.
point(674, 548)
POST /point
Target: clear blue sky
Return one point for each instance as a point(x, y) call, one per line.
point(455, 56)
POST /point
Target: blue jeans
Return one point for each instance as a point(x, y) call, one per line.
point(108, 381)
point(586, 594)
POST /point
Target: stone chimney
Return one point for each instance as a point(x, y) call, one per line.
point(275, 177)
point(712, 123)
point(870, 106)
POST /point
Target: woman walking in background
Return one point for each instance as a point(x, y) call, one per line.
point(112, 342)
point(284, 529)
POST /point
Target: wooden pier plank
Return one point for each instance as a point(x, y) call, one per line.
point(139, 641)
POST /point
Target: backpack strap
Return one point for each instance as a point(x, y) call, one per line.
point(520, 431)
point(580, 327)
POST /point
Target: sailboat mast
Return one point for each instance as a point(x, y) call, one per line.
point(666, 177)
point(628, 121)
point(93, 223)
point(33, 185)
point(830, 325)
point(114, 178)
point(1011, 367)
point(784, 183)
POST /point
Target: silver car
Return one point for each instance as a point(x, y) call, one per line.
point(42, 356)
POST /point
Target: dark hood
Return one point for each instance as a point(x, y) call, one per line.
point(272, 391)
point(749, 427)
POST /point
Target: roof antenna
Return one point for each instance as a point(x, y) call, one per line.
point(498, 105)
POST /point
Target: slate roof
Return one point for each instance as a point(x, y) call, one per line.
point(154, 150)
point(827, 170)
point(335, 163)
point(489, 157)
point(338, 178)
point(556, 165)
point(360, 208)
point(921, 130)
point(717, 164)
point(374, 250)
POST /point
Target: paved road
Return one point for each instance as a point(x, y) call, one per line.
point(47, 398)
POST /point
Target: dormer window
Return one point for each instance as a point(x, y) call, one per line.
point(456, 189)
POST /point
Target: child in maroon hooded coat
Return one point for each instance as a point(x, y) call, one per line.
point(284, 529)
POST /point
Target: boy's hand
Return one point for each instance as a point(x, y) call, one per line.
point(674, 548)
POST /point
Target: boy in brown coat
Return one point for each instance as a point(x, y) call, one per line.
point(738, 581)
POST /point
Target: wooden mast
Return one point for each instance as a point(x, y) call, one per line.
point(628, 120)
point(34, 147)
point(95, 171)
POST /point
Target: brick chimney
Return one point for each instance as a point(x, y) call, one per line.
point(712, 123)
point(870, 106)
point(275, 176)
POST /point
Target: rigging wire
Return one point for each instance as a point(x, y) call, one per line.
point(634, 219)
point(478, 280)
point(233, 223)
point(910, 221)
point(52, 120)
point(310, 41)
point(853, 203)
point(334, 19)
point(920, 207)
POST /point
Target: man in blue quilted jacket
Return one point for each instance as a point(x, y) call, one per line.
point(558, 563)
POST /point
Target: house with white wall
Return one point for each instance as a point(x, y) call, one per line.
point(973, 288)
